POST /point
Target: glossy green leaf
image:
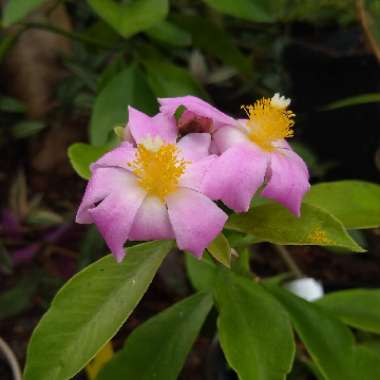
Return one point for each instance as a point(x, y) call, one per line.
point(353, 101)
point(223, 47)
point(359, 308)
point(15, 10)
point(111, 106)
point(88, 311)
point(170, 33)
point(83, 155)
point(273, 223)
point(220, 249)
point(254, 330)
point(158, 348)
point(133, 17)
point(202, 272)
point(168, 80)
point(251, 10)
point(329, 342)
point(355, 203)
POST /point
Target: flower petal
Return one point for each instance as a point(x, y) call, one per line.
point(102, 182)
point(195, 173)
point(289, 180)
point(151, 221)
point(196, 220)
point(195, 146)
point(115, 215)
point(227, 137)
point(198, 106)
point(236, 175)
point(118, 157)
point(141, 126)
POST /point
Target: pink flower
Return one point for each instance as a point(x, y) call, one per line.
point(253, 153)
point(153, 190)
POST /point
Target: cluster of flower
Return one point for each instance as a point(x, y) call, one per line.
point(163, 179)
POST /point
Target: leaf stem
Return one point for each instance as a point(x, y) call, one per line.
point(286, 256)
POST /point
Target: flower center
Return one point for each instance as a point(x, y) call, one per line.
point(158, 167)
point(269, 120)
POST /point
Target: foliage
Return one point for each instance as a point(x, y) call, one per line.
point(129, 53)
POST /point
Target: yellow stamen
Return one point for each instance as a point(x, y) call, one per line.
point(268, 122)
point(159, 169)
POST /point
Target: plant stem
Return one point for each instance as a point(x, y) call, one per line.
point(11, 358)
point(285, 255)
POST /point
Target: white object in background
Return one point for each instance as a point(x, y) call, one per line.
point(306, 288)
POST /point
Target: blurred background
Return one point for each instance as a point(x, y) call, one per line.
point(70, 68)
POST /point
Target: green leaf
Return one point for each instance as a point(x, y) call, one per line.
point(88, 311)
point(170, 33)
point(254, 330)
point(158, 348)
point(220, 249)
point(83, 155)
point(359, 308)
point(111, 106)
point(17, 299)
point(251, 10)
point(355, 203)
point(133, 17)
point(352, 101)
point(27, 128)
point(275, 224)
point(8, 104)
point(202, 272)
point(168, 80)
point(223, 47)
point(15, 10)
point(329, 342)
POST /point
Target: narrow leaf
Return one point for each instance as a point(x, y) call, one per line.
point(273, 223)
point(329, 342)
point(88, 311)
point(158, 348)
point(355, 203)
point(359, 308)
point(353, 101)
point(254, 330)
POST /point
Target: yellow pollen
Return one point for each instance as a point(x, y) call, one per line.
point(319, 236)
point(158, 170)
point(268, 122)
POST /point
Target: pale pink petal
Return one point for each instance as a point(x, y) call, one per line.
point(102, 182)
point(119, 157)
point(227, 137)
point(236, 175)
point(151, 221)
point(195, 173)
point(195, 146)
point(198, 106)
point(196, 220)
point(115, 215)
point(289, 180)
point(141, 126)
